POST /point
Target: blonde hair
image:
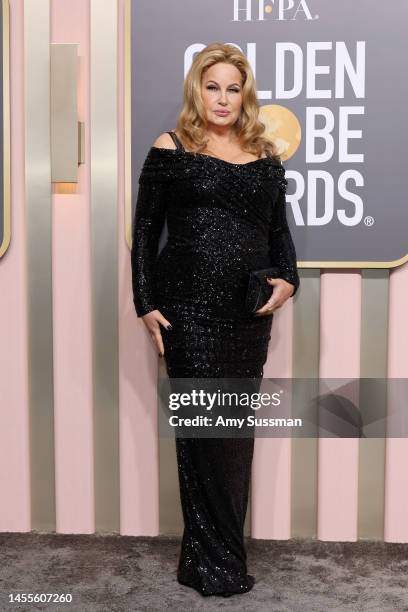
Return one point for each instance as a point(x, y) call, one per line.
point(192, 122)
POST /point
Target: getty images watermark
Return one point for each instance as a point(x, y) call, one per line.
point(283, 407)
point(199, 403)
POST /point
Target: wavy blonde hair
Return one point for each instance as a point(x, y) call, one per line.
point(192, 122)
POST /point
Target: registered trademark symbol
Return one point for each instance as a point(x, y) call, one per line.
point(368, 220)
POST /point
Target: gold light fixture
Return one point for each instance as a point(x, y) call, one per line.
point(67, 133)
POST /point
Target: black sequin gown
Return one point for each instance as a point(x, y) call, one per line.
point(223, 219)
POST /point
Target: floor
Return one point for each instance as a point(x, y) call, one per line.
point(123, 573)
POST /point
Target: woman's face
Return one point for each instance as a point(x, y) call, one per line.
point(221, 91)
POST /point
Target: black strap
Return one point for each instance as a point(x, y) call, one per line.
point(176, 140)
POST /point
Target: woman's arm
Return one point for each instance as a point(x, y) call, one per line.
point(282, 250)
point(146, 230)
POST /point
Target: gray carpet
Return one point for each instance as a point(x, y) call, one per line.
point(123, 573)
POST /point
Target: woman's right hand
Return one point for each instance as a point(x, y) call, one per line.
point(152, 320)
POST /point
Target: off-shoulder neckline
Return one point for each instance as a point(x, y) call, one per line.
point(254, 161)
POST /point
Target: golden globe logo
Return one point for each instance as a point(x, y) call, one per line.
point(278, 10)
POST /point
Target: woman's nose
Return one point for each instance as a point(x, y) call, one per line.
point(223, 96)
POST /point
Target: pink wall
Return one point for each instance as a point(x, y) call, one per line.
point(14, 417)
point(72, 322)
point(340, 325)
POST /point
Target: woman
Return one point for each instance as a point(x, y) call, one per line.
point(221, 186)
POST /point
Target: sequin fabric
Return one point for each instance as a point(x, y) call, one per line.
point(223, 220)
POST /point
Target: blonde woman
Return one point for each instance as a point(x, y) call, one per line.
point(221, 186)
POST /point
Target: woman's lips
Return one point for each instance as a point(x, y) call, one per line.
point(222, 113)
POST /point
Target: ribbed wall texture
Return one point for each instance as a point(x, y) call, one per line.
point(79, 448)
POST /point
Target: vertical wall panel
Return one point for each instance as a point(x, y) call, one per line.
point(271, 471)
point(374, 340)
point(72, 305)
point(139, 452)
point(39, 270)
point(171, 517)
point(339, 359)
point(15, 507)
point(306, 333)
point(104, 206)
point(396, 474)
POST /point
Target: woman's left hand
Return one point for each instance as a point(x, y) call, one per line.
point(282, 290)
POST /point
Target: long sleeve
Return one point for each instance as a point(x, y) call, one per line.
point(282, 249)
point(147, 226)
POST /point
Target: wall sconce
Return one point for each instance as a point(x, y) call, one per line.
point(67, 133)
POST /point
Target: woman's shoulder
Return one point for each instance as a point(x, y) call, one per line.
point(160, 163)
point(164, 141)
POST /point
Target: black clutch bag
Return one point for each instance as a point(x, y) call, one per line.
point(259, 290)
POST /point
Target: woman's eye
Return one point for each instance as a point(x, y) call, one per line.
point(213, 87)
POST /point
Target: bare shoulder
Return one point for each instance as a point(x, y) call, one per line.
point(164, 141)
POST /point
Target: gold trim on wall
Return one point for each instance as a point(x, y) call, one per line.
point(6, 130)
point(393, 263)
point(128, 125)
